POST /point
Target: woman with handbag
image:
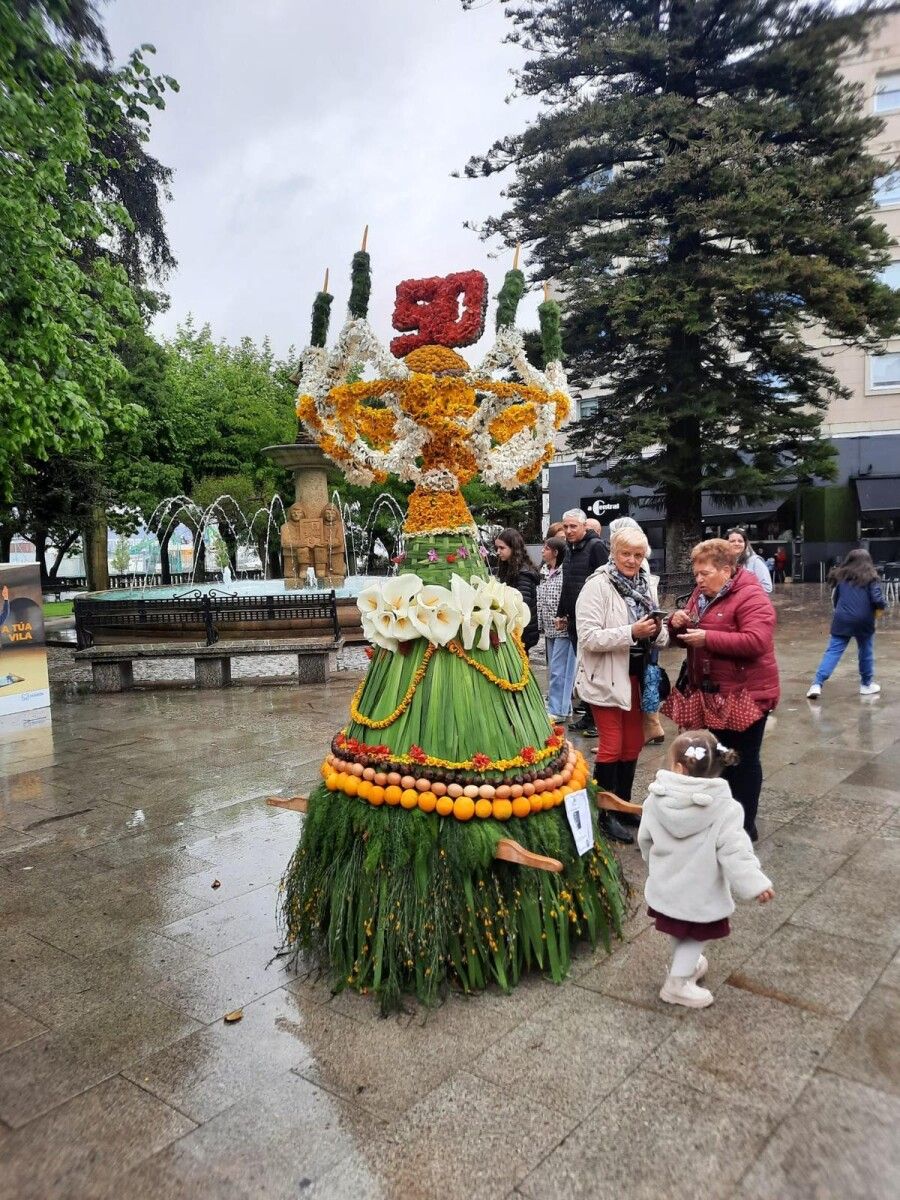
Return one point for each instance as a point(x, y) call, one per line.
point(618, 623)
point(730, 684)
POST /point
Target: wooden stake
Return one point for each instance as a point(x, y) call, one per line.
point(515, 265)
point(611, 802)
point(365, 238)
point(325, 284)
point(515, 852)
point(294, 803)
point(546, 289)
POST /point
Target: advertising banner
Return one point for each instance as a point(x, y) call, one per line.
point(23, 653)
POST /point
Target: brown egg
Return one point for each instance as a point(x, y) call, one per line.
point(486, 791)
point(369, 774)
point(502, 792)
point(394, 778)
point(470, 790)
point(540, 785)
point(439, 789)
point(454, 790)
point(380, 779)
point(555, 782)
point(356, 769)
point(528, 789)
point(407, 782)
point(423, 785)
point(515, 791)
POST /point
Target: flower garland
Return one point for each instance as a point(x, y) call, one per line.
point(362, 719)
point(383, 757)
point(505, 685)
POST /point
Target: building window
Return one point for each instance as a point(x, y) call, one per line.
point(884, 372)
point(887, 92)
point(588, 406)
point(891, 275)
point(887, 189)
point(597, 180)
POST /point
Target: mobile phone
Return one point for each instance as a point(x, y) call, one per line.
point(658, 614)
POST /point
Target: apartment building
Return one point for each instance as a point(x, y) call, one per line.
point(861, 506)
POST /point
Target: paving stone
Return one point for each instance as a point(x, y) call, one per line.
point(747, 1049)
point(278, 1143)
point(88, 1143)
point(839, 1142)
point(653, 1137)
point(208, 989)
point(813, 970)
point(466, 1140)
point(16, 1026)
point(51, 1068)
point(868, 1049)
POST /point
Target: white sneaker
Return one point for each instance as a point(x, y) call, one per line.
point(700, 970)
point(869, 689)
point(814, 692)
point(679, 990)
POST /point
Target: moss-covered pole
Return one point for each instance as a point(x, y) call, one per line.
point(360, 280)
point(321, 313)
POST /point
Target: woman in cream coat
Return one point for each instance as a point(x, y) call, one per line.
point(615, 634)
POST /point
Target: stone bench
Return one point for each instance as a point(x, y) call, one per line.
point(113, 665)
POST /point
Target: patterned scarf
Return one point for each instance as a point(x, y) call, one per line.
point(635, 592)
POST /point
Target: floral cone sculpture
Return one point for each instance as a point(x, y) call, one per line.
point(401, 881)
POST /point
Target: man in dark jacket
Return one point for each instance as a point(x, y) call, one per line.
point(585, 552)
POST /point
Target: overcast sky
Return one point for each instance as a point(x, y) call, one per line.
point(298, 122)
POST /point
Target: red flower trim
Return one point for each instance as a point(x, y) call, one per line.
point(427, 311)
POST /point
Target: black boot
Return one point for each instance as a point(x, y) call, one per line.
point(585, 725)
point(626, 783)
point(607, 778)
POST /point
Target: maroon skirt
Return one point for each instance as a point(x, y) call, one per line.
point(699, 931)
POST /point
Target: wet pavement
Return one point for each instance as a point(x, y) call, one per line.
point(119, 959)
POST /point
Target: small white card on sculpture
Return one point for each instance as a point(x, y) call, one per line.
point(578, 810)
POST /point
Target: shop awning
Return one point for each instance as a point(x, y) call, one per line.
point(738, 510)
point(879, 495)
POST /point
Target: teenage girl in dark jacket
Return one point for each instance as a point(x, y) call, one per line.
point(516, 569)
point(857, 597)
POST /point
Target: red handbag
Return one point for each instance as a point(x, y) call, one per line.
point(697, 709)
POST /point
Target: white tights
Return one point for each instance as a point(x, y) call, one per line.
point(686, 955)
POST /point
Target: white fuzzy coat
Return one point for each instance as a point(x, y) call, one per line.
point(692, 836)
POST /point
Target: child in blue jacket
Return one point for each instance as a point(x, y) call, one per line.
point(857, 598)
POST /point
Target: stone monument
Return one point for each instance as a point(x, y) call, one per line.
point(313, 535)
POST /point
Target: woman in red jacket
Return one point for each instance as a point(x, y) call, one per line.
point(728, 627)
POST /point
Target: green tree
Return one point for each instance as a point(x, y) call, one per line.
point(700, 182)
point(64, 234)
point(121, 557)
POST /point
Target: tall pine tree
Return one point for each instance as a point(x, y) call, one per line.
point(699, 181)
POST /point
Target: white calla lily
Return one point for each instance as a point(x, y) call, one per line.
point(397, 592)
point(369, 600)
point(373, 632)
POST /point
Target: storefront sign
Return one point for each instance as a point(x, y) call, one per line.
point(605, 508)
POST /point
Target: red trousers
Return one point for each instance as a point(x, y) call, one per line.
point(620, 731)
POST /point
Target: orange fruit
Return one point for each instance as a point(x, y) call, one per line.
point(464, 808)
point(364, 788)
point(502, 810)
point(444, 806)
point(521, 806)
point(376, 795)
point(427, 801)
point(409, 798)
point(537, 803)
point(333, 781)
point(350, 785)
point(483, 808)
point(392, 794)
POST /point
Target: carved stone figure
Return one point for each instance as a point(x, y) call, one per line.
point(335, 545)
point(316, 542)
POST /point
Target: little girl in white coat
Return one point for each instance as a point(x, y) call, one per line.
point(692, 836)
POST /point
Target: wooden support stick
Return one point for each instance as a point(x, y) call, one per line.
point(365, 238)
point(325, 284)
point(514, 852)
point(546, 289)
point(294, 803)
point(611, 802)
point(515, 265)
